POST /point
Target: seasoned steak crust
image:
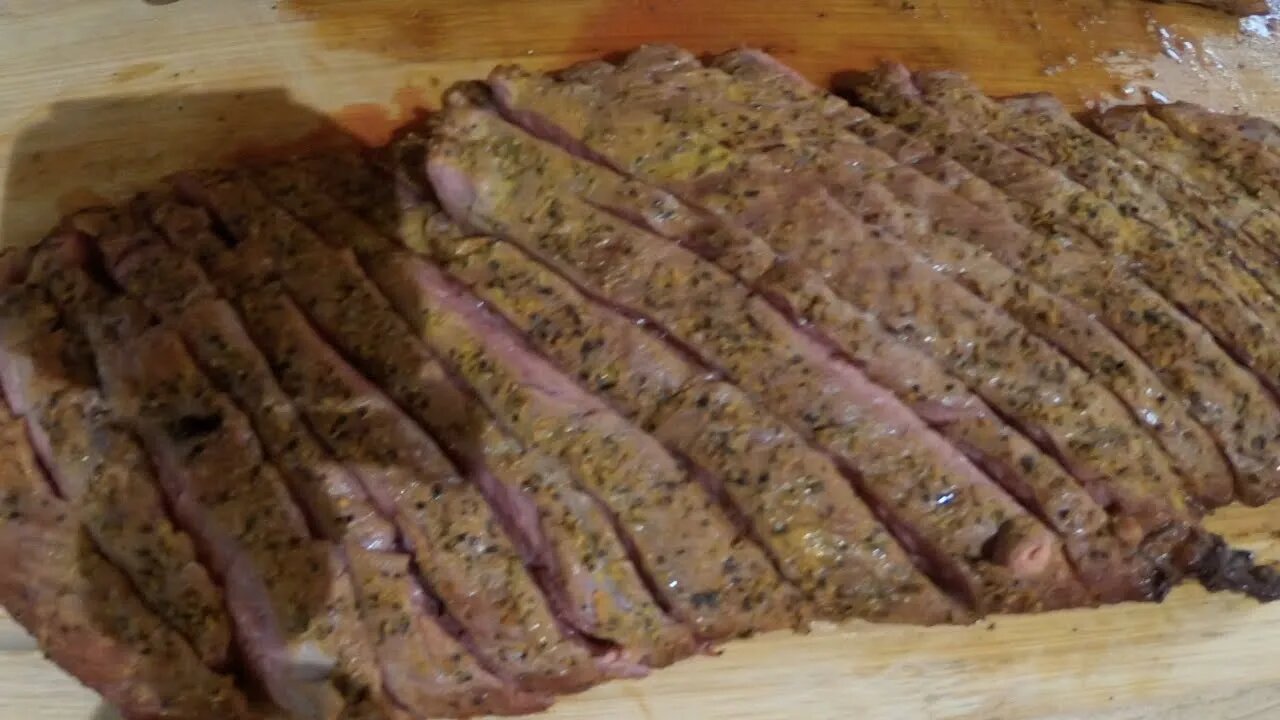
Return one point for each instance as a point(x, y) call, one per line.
point(756, 346)
point(424, 667)
point(85, 613)
point(658, 387)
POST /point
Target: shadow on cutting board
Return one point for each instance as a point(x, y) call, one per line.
point(88, 152)
point(95, 152)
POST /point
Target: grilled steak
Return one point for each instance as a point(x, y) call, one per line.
point(1125, 185)
point(963, 418)
point(933, 221)
point(733, 591)
point(291, 600)
point(1134, 129)
point(1242, 227)
point(819, 226)
point(427, 670)
point(803, 511)
point(596, 369)
point(1252, 164)
point(385, 268)
point(85, 613)
point(1242, 417)
point(759, 200)
point(707, 611)
point(1226, 309)
point(822, 536)
point(830, 401)
point(465, 556)
point(174, 288)
point(1148, 322)
point(349, 309)
point(100, 468)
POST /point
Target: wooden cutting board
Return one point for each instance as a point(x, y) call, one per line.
point(98, 97)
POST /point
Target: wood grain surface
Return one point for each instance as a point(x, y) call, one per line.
point(99, 97)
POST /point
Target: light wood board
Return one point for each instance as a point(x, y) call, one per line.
point(98, 97)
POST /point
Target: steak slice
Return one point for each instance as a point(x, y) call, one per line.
point(175, 289)
point(820, 534)
point(290, 187)
point(289, 596)
point(1219, 393)
point(1101, 167)
point(556, 524)
point(1228, 400)
point(84, 613)
point(1218, 308)
point(716, 580)
point(1134, 129)
point(1115, 459)
point(1104, 550)
point(424, 667)
point(1254, 166)
point(961, 417)
point(834, 404)
point(457, 542)
point(770, 107)
point(640, 375)
point(1248, 128)
point(428, 670)
point(104, 473)
point(1245, 228)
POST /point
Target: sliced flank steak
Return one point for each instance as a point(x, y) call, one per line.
point(1155, 326)
point(749, 597)
point(593, 371)
point(527, 492)
point(86, 614)
point(424, 668)
point(459, 544)
point(1253, 165)
point(716, 577)
point(830, 401)
point(1242, 224)
point(387, 268)
point(789, 219)
point(941, 400)
point(1136, 130)
point(744, 196)
point(1060, 202)
point(176, 290)
point(1115, 177)
point(289, 595)
point(1229, 402)
point(102, 471)
point(822, 536)
point(951, 233)
point(640, 374)
point(1224, 397)
point(826, 113)
point(803, 511)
